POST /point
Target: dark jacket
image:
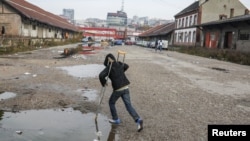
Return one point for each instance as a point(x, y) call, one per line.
point(116, 75)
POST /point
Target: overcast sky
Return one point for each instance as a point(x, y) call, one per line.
point(164, 9)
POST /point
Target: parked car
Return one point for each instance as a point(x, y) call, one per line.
point(128, 42)
point(165, 44)
point(118, 42)
point(84, 39)
point(87, 39)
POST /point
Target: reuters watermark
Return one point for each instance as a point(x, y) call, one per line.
point(236, 132)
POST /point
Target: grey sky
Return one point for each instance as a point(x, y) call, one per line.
point(164, 9)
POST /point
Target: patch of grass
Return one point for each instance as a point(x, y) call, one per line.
point(229, 55)
point(21, 47)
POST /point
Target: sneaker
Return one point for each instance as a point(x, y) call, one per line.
point(139, 125)
point(118, 121)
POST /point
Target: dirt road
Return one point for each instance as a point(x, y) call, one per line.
point(177, 95)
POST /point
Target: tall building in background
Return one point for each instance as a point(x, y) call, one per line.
point(69, 14)
point(117, 19)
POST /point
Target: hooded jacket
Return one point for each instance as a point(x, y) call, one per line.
point(116, 74)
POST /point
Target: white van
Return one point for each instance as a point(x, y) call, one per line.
point(165, 44)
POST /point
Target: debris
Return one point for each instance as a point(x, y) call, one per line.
point(99, 133)
point(19, 132)
point(26, 73)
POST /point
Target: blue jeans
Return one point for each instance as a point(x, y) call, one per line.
point(160, 47)
point(124, 94)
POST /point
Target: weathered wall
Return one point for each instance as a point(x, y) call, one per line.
point(212, 9)
point(10, 20)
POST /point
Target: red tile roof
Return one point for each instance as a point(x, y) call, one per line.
point(37, 14)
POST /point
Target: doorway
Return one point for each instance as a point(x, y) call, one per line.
point(228, 40)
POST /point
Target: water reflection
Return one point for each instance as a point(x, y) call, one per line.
point(84, 71)
point(113, 136)
point(51, 125)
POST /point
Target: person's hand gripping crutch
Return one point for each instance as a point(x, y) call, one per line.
point(110, 62)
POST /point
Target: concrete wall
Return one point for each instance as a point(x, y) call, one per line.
point(212, 9)
point(243, 46)
point(15, 25)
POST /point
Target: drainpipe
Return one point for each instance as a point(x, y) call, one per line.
point(200, 29)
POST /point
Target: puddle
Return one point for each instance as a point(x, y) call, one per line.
point(220, 69)
point(84, 71)
point(6, 95)
point(88, 94)
point(56, 125)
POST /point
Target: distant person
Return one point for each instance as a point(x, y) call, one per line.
point(160, 44)
point(156, 45)
point(116, 72)
point(3, 31)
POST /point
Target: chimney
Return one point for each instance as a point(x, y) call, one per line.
point(246, 12)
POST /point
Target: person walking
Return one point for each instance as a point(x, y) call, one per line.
point(160, 44)
point(156, 45)
point(3, 31)
point(120, 85)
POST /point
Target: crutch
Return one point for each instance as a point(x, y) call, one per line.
point(110, 61)
point(122, 53)
point(104, 88)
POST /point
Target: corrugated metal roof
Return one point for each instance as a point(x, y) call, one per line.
point(35, 13)
point(159, 30)
point(151, 30)
point(230, 20)
point(194, 6)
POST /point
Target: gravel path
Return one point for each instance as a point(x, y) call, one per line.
point(176, 94)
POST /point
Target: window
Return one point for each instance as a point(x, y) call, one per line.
point(34, 27)
point(186, 21)
point(231, 13)
point(244, 35)
point(26, 26)
point(180, 37)
point(189, 37)
point(194, 37)
point(186, 37)
point(183, 22)
point(195, 19)
point(190, 20)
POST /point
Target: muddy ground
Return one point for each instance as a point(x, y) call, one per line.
point(176, 94)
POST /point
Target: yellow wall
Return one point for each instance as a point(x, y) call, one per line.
point(213, 8)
